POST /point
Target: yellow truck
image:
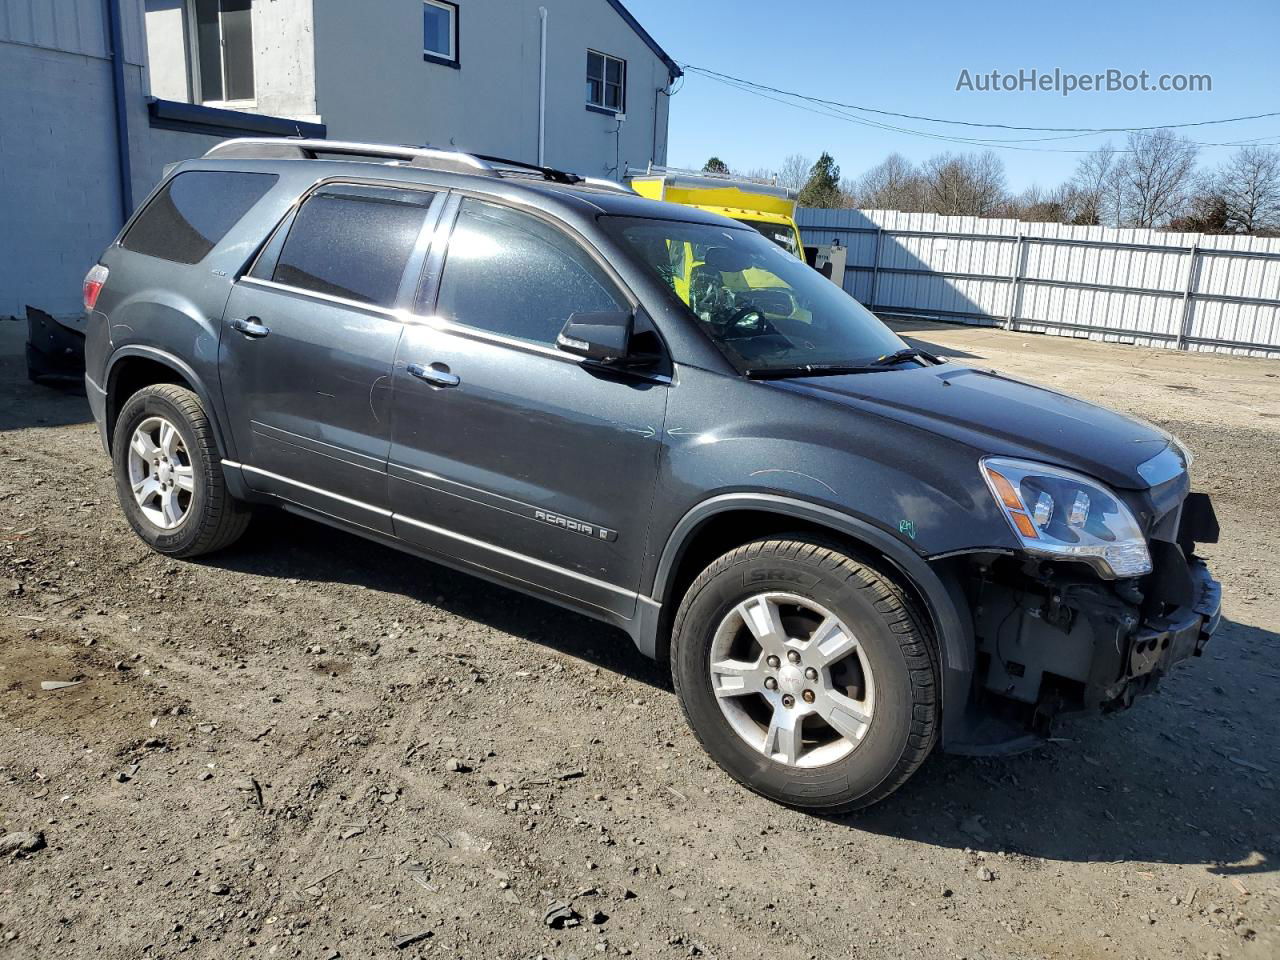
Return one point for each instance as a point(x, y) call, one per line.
point(765, 206)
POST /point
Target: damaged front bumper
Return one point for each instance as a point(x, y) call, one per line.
point(1053, 640)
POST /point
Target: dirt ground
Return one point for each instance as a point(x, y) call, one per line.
point(311, 746)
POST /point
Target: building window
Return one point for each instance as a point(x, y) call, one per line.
point(440, 32)
point(222, 67)
point(606, 82)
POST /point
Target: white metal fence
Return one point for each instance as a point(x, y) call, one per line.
point(1185, 290)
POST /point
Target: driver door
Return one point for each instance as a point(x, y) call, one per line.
point(508, 454)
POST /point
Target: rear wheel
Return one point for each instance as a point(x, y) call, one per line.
point(169, 474)
point(807, 675)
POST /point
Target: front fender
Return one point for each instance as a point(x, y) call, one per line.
point(948, 614)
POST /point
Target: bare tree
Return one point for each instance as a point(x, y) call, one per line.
point(1037, 205)
point(1157, 177)
point(795, 171)
point(1249, 184)
point(848, 192)
point(892, 184)
point(967, 184)
point(1092, 188)
point(1205, 210)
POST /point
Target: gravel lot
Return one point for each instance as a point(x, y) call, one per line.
point(311, 746)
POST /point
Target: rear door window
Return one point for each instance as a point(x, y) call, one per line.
point(193, 212)
point(353, 242)
point(514, 274)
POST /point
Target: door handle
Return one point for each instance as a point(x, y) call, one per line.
point(253, 328)
point(433, 375)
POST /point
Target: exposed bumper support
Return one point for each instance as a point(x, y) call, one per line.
point(1054, 643)
point(1161, 642)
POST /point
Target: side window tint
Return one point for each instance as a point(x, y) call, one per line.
point(513, 274)
point(353, 242)
point(193, 212)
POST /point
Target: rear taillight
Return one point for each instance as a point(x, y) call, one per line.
point(93, 282)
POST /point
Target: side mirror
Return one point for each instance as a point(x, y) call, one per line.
point(599, 337)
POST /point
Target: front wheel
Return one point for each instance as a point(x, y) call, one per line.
point(808, 676)
point(169, 474)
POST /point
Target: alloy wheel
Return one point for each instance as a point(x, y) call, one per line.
point(160, 472)
point(792, 680)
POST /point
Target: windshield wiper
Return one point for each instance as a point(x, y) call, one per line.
point(907, 353)
point(839, 369)
point(810, 370)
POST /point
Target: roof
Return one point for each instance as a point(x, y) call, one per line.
point(673, 69)
point(617, 204)
point(588, 197)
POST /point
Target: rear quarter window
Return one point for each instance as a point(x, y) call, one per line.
point(193, 212)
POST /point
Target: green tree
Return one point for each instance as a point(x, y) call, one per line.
point(823, 186)
point(715, 165)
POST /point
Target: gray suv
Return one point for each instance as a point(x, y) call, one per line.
point(849, 550)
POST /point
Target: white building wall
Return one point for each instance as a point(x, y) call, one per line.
point(59, 171)
point(283, 55)
point(166, 23)
point(372, 82)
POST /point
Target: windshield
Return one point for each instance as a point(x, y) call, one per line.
point(762, 307)
point(779, 233)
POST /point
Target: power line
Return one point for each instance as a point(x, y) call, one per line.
point(969, 123)
point(834, 110)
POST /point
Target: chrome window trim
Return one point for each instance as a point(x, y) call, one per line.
point(452, 328)
point(324, 297)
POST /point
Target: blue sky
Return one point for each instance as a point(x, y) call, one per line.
point(907, 57)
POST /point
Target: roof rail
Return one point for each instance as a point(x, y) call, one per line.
point(292, 148)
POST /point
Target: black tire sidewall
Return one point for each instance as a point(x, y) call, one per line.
point(139, 407)
point(837, 785)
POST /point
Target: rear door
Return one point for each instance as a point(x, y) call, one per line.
point(308, 341)
point(507, 453)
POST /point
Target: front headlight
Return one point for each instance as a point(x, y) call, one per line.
point(1063, 515)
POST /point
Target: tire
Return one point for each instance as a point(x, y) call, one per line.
point(881, 695)
point(201, 516)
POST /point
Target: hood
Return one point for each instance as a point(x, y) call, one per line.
point(998, 415)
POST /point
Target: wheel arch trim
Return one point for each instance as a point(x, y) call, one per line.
point(953, 632)
point(178, 366)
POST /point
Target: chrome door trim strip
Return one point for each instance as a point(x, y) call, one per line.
point(441, 531)
point(503, 551)
point(310, 489)
point(345, 455)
